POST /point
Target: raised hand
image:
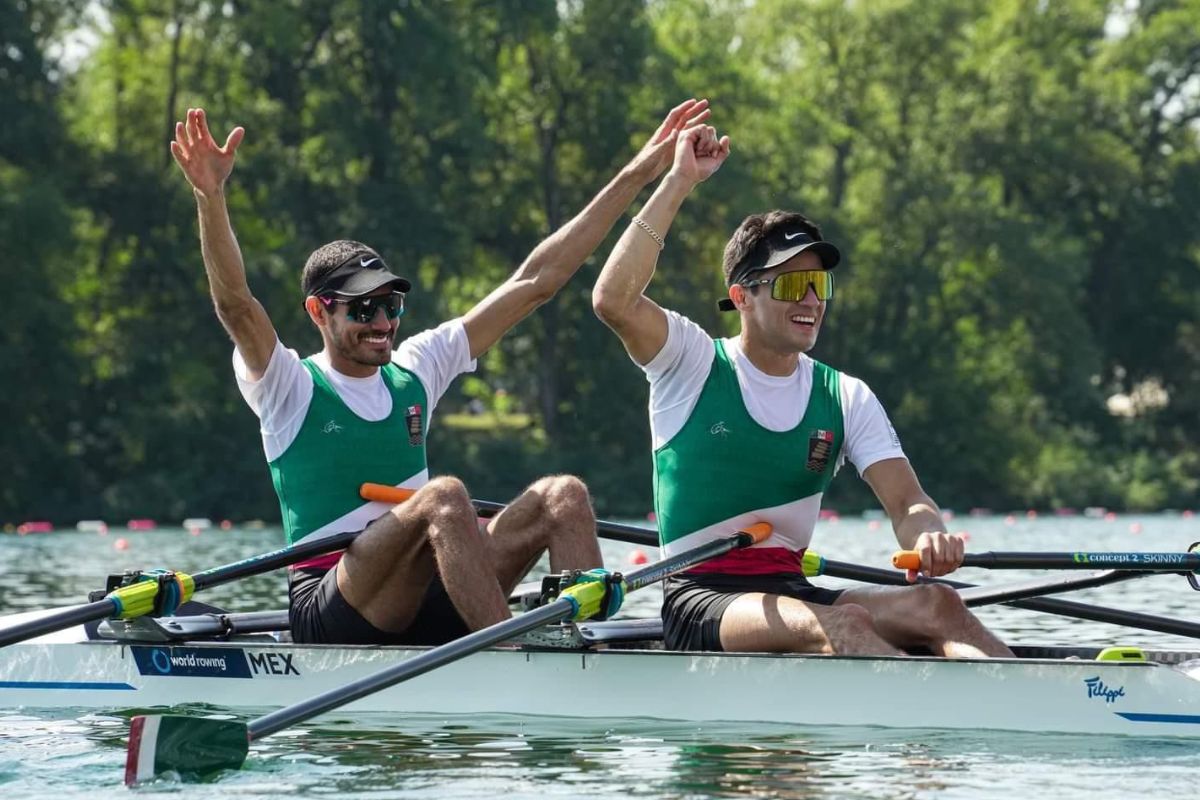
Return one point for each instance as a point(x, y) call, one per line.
point(205, 164)
point(655, 156)
point(699, 153)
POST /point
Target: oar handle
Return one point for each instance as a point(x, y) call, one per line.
point(758, 532)
point(1136, 561)
point(382, 493)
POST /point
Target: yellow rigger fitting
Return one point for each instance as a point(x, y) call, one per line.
point(142, 598)
point(812, 564)
point(587, 597)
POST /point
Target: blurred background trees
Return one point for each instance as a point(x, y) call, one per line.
point(1015, 185)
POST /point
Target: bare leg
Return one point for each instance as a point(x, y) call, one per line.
point(385, 572)
point(928, 615)
point(555, 514)
point(774, 623)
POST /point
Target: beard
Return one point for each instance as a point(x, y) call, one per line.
point(351, 348)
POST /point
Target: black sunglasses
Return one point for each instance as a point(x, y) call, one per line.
point(362, 309)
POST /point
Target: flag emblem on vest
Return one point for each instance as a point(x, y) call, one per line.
point(415, 429)
point(820, 445)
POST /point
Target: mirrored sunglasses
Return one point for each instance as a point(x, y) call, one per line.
point(792, 287)
point(363, 309)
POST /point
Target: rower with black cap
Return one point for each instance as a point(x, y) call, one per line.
point(425, 571)
point(750, 428)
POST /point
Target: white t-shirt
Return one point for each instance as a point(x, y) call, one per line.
point(678, 373)
point(281, 396)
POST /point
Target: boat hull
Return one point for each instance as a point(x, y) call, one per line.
point(1136, 699)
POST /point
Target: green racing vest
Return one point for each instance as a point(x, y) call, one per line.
point(722, 463)
point(318, 477)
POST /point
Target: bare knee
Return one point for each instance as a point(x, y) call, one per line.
point(853, 618)
point(934, 606)
point(444, 503)
point(563, 499)
point(940, 599)
point(562, 492)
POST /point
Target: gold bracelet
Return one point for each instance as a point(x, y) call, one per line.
point(658, 240)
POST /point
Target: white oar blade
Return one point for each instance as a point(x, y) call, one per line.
point(188, 746)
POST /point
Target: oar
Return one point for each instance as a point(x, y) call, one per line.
point(142, 598)
point(194, 746)
point(1006, 593)
point(1048, 605)
point(1139, 562)
point(971, 595)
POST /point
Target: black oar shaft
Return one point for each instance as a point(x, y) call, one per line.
point(76, 615)
point(430, 659)
point(1039, 587)
point(1064, 608)
point(555, 611)
point(668, 566)
point(276, 559)
point(1142, 562)
point(1137, 561)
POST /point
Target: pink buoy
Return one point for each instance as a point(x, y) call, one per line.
point(651, 517)
point(1009, 519)
point(121, 544)
point(1031, 514)
point(1188, 513)
point(226, 525)
point(637, 557)
point(1135, 527)
point(141, 525)
point(1111, 516)
point(873, 525)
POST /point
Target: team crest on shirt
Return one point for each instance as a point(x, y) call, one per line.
point(415, 427)
point(820, 447)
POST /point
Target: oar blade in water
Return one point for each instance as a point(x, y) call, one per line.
point(192, 747)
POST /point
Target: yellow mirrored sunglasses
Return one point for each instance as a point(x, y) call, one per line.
point(792, 287)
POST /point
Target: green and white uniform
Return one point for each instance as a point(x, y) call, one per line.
point(325, 433)
point(734, 446)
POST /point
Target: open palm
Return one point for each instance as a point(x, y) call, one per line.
point(205, 164)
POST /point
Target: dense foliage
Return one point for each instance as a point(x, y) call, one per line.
point(1015, 185)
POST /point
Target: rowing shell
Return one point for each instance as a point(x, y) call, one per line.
point(624, 679)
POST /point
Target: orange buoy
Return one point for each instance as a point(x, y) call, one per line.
point(637, 557)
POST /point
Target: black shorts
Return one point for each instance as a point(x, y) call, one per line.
point(694, 604)
point(320, 615)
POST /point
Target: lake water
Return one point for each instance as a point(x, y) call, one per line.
point(65, 755)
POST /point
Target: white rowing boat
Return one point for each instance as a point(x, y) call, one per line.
point(618, 670)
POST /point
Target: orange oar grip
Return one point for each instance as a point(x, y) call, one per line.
point(759, 531)
point(906, 559)
point(384, 494)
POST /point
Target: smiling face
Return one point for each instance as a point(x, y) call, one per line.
point(356, 349)
point(777, 328)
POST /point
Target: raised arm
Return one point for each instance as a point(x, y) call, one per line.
point(557, 258)
point(207, 166)
point(916, 519)
point(619, 295)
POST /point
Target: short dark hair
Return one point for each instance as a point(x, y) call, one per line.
point(328, 257)
point(755, 228)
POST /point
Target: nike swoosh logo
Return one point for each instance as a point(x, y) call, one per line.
point(790, 236)
point(365, 262)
